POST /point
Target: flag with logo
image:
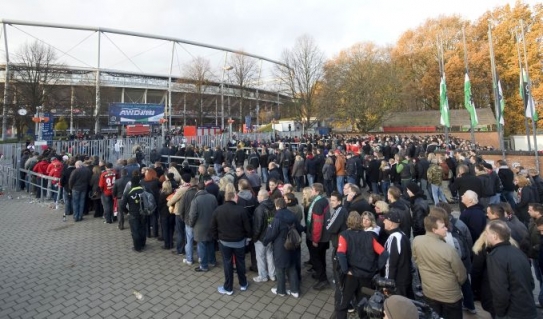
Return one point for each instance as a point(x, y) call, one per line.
point(526, 94)
point(444, 103)
point(468, 101)
point(501, 102)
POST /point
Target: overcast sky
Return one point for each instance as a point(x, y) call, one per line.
point(261, 27)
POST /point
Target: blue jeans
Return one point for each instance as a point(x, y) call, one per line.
point(299, 183)
point(68, 207)
point(509, 196)
point(437, 194)
point(227, 254)
point(352, 180)
point(180, 229)
point(78, 202)
point(285, 175)
point(310, 179)
point(424, 186)
point(340, 182)
point(384, 188)
point(107, 203)
point(206, 252)
point(189, 231)
point(264, 174)
point(468, 295)
point(375, 187)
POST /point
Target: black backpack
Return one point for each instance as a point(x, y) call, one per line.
point(293, 240)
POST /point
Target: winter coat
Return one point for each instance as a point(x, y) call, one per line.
point(230, 223)
point(201, 210)
point(176, 201)
point(328, 172)
point(511, 282)
point(527, 196)
point(277, 234)
point(311, 165)
point(298, 169)
point(420, 209)
point(405, 216)
point(475, 218)
point(261, 219)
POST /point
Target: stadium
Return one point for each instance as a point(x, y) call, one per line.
point(78, 85)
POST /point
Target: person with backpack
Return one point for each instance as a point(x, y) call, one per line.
point(405, 169)
point(435, 178)
point(262, 218)
point(131, 204)
point(285, 260)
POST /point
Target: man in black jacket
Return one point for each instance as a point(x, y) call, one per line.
point(264, 254)
point(118, 190)
point(78, 184)
point(335, 225)
point(465, 181)
point(355, 201)
point(394, 196)
point(509, 267)
point(318, 235)
point(64, 178)
point(230, 224)
point(398, 264)
point(507, 177)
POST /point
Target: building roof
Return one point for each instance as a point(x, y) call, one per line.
point(458, 117)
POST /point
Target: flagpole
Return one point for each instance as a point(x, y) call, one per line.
point(442, 73)
point(467, 72)
point(496, 93)
point(520, 68)
point(529, 96)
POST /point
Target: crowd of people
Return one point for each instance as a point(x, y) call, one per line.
point(382, 204)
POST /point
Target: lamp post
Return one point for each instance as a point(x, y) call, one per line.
point(273, 121)
point(225, 68)
point(230, 122)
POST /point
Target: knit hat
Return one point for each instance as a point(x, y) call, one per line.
point(399, 307)
point(414, 188)
point(393, 216)
point(170, 176)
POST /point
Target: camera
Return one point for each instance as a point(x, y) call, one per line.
point(373, 308)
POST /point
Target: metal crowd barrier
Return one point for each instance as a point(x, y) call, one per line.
point(43, 184)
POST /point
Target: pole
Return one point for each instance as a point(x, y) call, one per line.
point(184, 110)
point(497, 108)
point(222, 92)
point(529, 97)
point(97, 109)
point(216, 114)
point(442, 72)
point(72, 101)
point(467, 72)
point(6, 85)
point(170, 88)
point(525, 118)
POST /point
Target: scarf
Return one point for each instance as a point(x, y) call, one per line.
point(310, 213)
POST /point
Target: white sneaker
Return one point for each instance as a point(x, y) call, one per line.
point(272, 278)
point(185, 261)
point(274, 291)
point(260, 279)
point(293, 294)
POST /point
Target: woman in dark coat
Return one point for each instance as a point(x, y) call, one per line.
point(95, 192)
point(151, 184)
point(526, 195)
point(167, 220)
point(285, 260)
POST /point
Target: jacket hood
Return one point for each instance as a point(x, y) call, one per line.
point(268, 204)
point(245, 194)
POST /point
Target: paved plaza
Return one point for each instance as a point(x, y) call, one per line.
point(55, 269)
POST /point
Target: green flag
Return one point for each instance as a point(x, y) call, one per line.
point(444, 103)
point(526, 94)
point(501, 100)
point(468, 101)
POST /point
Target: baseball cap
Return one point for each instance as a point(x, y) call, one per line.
point(393, 216)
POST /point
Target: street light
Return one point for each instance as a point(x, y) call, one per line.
point(225, 68)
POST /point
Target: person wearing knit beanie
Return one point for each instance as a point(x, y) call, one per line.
point(414, 188)
point(399, 307)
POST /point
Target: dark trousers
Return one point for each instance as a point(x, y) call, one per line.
point(168, 227)
point(289, 272)
point(227, 254)
point(137, 228)
point(120, 214)
point(446, 310)
point(318, 260)
point(181, 236)
point(252, 252)
point(352, 287)
point(152, 226)
point(328, 186)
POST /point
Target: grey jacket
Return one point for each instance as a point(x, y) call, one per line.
point(201, 211)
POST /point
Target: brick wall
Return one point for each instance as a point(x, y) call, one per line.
point(527, 161)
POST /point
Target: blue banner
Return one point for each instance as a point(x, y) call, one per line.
point(130, 113)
